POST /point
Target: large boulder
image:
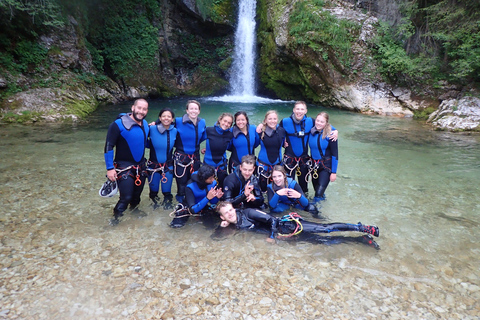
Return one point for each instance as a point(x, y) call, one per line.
point(457, 115)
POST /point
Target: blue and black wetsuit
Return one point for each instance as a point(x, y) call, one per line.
point(160, 164)
point(218, 141)
point(241, 145)
point(324, 154)
point(187, 154)
point(129, 140)
point(255, 219)
point(270, 154)
point(234, 190)
point(195, 201)
point(280, 203)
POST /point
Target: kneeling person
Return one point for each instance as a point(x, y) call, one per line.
point(199, 192)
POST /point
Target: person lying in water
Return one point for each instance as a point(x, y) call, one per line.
point(285, 227)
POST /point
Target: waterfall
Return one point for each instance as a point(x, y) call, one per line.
point(242, 80)
point(242, 73)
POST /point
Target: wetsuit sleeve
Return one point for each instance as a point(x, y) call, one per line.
point(257, 140)
point(333, 145)
point(303, 200)
point(257, 192)
point(192, 204)
point(228, 187)
point(261, 217)
point(110, 142)
point(273, 197)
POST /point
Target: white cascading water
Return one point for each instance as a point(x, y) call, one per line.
point(242, 81)
point(242, 73)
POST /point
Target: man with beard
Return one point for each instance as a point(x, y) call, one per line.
point(128, 135)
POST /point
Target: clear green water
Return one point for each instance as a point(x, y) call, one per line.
point(419, 186)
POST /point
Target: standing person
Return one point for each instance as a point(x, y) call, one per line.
point(128, 136)
point(324, 154)
point(160, 165)
point(190, 133)
point(218, 139)
point(241, 187)
point(297, 128)
point(245, 140)
point(284, 192)
point(201, 190)
point(272, 139)
point(285, 227)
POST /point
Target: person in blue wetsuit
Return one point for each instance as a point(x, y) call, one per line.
point(218, 139)
point(324, 156)
point(272, 140)
point(245, 140)
point(296, 157)
point(284, 192)
point(282, 228)
point(201, 191)
point(126, 165)
point(190, 133)
point(160, 165)
point(241, 187)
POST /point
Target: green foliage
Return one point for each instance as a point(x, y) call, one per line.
point(446, 43)
point(27, 17)
point(215, 10)
point(123, 33)
point(424, 114)
point(29, 55)
point(22, 117)
point(396, 65)
point(316, 28)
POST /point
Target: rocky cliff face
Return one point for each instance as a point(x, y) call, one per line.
point(195, 48)
point(193, 58)
point(315, 72)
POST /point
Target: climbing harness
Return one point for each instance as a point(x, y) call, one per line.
point(157, 168)
point(292, 217)
point(182, 211)
point(184, 161)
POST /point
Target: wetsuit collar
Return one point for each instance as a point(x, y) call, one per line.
point(315, 131)
point(269, 131)
point(161, 128)
point(236, 131)
point(128, 122)
point(219, 129)
point(295, 119)
point(186, 119)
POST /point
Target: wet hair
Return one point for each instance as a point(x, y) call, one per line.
point(193, 101)
point(223, 115)
point(249, 159)
point(241, 113)
point(222, 204)
point(328, 127)
point(300, 102)
point(206, 171)
point(138, 100)
point(269, 112)
point(281, 169)
point(166, 110)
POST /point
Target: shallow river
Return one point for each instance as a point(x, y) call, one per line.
point(60, 258)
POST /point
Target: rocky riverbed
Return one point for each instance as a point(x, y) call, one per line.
point(73, 265)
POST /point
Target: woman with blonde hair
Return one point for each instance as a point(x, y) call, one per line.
point(324, 155)
point(272, 139)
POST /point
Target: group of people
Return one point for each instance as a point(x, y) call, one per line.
point(238, 182)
